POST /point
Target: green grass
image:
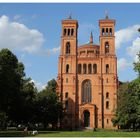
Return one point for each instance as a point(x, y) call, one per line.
point(99, 133)
point(88, 134)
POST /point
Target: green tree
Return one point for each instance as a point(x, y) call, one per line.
point(49, 106)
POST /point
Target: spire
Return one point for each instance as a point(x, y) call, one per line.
point(106, 14)
point(91, 38)
point(69, 17)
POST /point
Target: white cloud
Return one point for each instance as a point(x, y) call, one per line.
point(39, 85)
point(134, 49)
point(17, 36)
point(17, 17)
point(126, 35)
point(122, 64)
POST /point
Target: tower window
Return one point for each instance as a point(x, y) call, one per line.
point(66, 80)
point(68, 48)
point(67, 68)
point(106, 47)
point(65, 32)
point(107, 104)
point(68, 32)
point(107, 68)
point(106, 80)
point(103, 31)
point(89, 69)
point(94, 68)
point(66, 95)
point(72, 32)
point(107, 95)
point(79, 68)
point(84, 69)
point(107, 121)
point(106, 31)
point(110, 31)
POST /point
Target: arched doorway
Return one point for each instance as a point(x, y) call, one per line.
point(86, 118)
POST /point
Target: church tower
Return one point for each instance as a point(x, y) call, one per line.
point(67, 72)
point(108, 71)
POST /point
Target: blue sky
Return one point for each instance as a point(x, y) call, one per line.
point(32, 31)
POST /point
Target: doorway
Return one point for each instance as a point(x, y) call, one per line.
point(86, 118)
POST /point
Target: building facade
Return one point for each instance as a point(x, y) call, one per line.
point(87, 77)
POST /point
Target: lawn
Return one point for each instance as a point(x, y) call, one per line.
point(99, 133)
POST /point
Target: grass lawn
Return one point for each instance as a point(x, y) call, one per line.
point(89, 133)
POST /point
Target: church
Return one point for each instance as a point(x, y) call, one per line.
point(87, 76)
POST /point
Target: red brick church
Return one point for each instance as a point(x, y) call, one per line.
point(87, 76)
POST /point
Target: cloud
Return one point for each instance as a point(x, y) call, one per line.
point(39, 85)
point(122, 64)
point(17, 36)
point(134, 49)
point(126, 35)
point(17, 17)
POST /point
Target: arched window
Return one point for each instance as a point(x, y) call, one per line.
point(67, 68)
point(65, 32)
point(94, 68)
point(66, 105)
point(89, 69)
point(84, 69)
point(86, 91)
point(110, 31)
point(106, 47)
point(66, 80)
point(107, 68)
point(68, 32)
point(107, 104)
point(107, 95)
point(68, 48)
point(106, 80)
point(66, 95)
point(106, 31)
point(72, 32)
point(103, 31)
point(79, 68)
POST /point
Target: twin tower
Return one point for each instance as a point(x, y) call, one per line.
point(87, 77)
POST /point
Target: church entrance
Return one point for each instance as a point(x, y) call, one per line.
point(86, 118)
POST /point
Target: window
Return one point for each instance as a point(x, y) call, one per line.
point(66, 105)
point(65, 32)
point(107, 95)
point(68, 48)
point(106, 31)
point(95, 68)
point(106, 47)
point(106, 80)
point(86, 91)
point(79, 68)
point(66, 95)
point(89, 69)
point(72, 32)
point(68, 32)
point(67, 68)
point(107, 121)
point(110, 31)
point(107, 68)
point(84, 69)
point(107, 104)
point(66, 80)
point(103, 31)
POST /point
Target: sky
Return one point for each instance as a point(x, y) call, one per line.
point(33, 33)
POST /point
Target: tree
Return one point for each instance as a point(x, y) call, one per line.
point(49, 106)
point(128, 109)
point(11, 73)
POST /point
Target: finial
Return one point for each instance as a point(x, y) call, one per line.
point(91, 38)
point(69, 17)
point(106, 14)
